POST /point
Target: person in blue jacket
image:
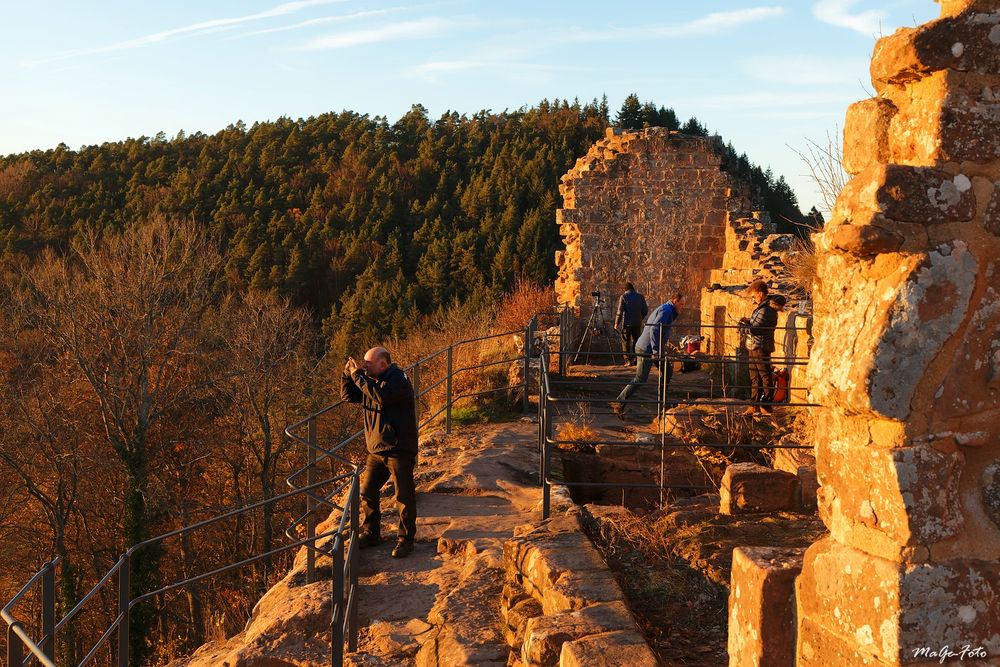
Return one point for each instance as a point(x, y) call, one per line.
point(650, 349)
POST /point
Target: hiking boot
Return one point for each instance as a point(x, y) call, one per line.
point(402, 549)
point(366, 540)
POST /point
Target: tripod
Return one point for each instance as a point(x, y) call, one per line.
point(597, 325)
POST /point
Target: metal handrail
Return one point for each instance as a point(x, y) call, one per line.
point(344, 591)
point(547, 404)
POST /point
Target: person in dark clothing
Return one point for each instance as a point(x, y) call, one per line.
point(386, 397)
point(760, 344)
point(631, 313)
point(650, 349)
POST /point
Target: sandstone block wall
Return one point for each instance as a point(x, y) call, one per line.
point(753, 251)
point(907, 360)
point(651, 207)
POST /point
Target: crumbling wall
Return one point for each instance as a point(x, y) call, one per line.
point(652, 207)
point(753, 251)
point(907, 361)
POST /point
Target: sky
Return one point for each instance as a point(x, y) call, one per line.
point(769, 76)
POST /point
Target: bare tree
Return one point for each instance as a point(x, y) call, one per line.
point(131, 311)
point(825, 164)
point(267, 346)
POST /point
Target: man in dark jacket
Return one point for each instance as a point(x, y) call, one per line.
point(631, 313)
point(386, 396)
point(760, 344)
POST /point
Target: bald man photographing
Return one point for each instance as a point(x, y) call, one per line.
point(386, 396)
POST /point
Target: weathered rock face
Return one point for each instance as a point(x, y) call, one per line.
point(906, 360)
point(651, 207)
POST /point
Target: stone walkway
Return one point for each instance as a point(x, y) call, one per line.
point(439, 606)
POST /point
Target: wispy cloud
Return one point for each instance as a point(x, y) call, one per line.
point(838, 13)
point(193, 30)
point(711, 24)
point(322, 20)
point(393, 31)
point(803, 69)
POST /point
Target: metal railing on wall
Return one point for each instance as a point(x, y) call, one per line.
point(336, 489)
point(723, 393)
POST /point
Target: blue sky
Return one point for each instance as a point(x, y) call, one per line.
point(764, 75)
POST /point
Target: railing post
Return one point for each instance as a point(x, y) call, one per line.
point(337, 608)
point(124, 581)
point(352, 619)
point(311, 504)
point(49, 611)
point(543, 441)
point(15, 647)
point(416, 391)
point(447, 414)
point(661, 385)
point(529, 340)
point(564, 342)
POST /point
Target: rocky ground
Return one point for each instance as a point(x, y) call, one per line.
point(442, 604)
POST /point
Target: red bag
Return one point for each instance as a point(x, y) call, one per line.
point(780, 386)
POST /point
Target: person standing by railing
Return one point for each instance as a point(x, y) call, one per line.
point(629, 316)
point(760, 344)
point(651, 349)
point(386, 396)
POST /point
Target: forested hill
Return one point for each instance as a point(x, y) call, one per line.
point(369, 223)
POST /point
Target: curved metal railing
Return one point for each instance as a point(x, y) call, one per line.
point(336, 489)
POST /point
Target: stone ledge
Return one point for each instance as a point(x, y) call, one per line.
point(762, 606)
point(751, 488)
point(611, 649)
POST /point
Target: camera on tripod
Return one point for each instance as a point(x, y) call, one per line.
point(597, 297)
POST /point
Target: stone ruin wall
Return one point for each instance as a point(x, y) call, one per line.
point(649, 206)
point(755, 252)
point(907, 360)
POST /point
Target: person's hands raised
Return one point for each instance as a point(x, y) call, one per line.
point(350, 366)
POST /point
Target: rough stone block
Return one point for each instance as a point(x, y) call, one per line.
point(953, 117)
point(966, 42)
point(544, 636)
point(882, 501)
point(892, 330)
point(907, 194)
point(971, 385)
point(515, 620)
point(888, 610)
point(562, 570)
point(762, 606)
point(866, 134)
point(611, 649)
point(748, 488)
point(802, 464)
point(864, 240)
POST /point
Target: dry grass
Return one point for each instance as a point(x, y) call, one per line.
point(578, 428)
point(800, 264)
point(681, 613)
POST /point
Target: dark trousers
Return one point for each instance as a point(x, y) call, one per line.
point(642, 374)
point(761, 377)
point(630, 335)
point(378, 470)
